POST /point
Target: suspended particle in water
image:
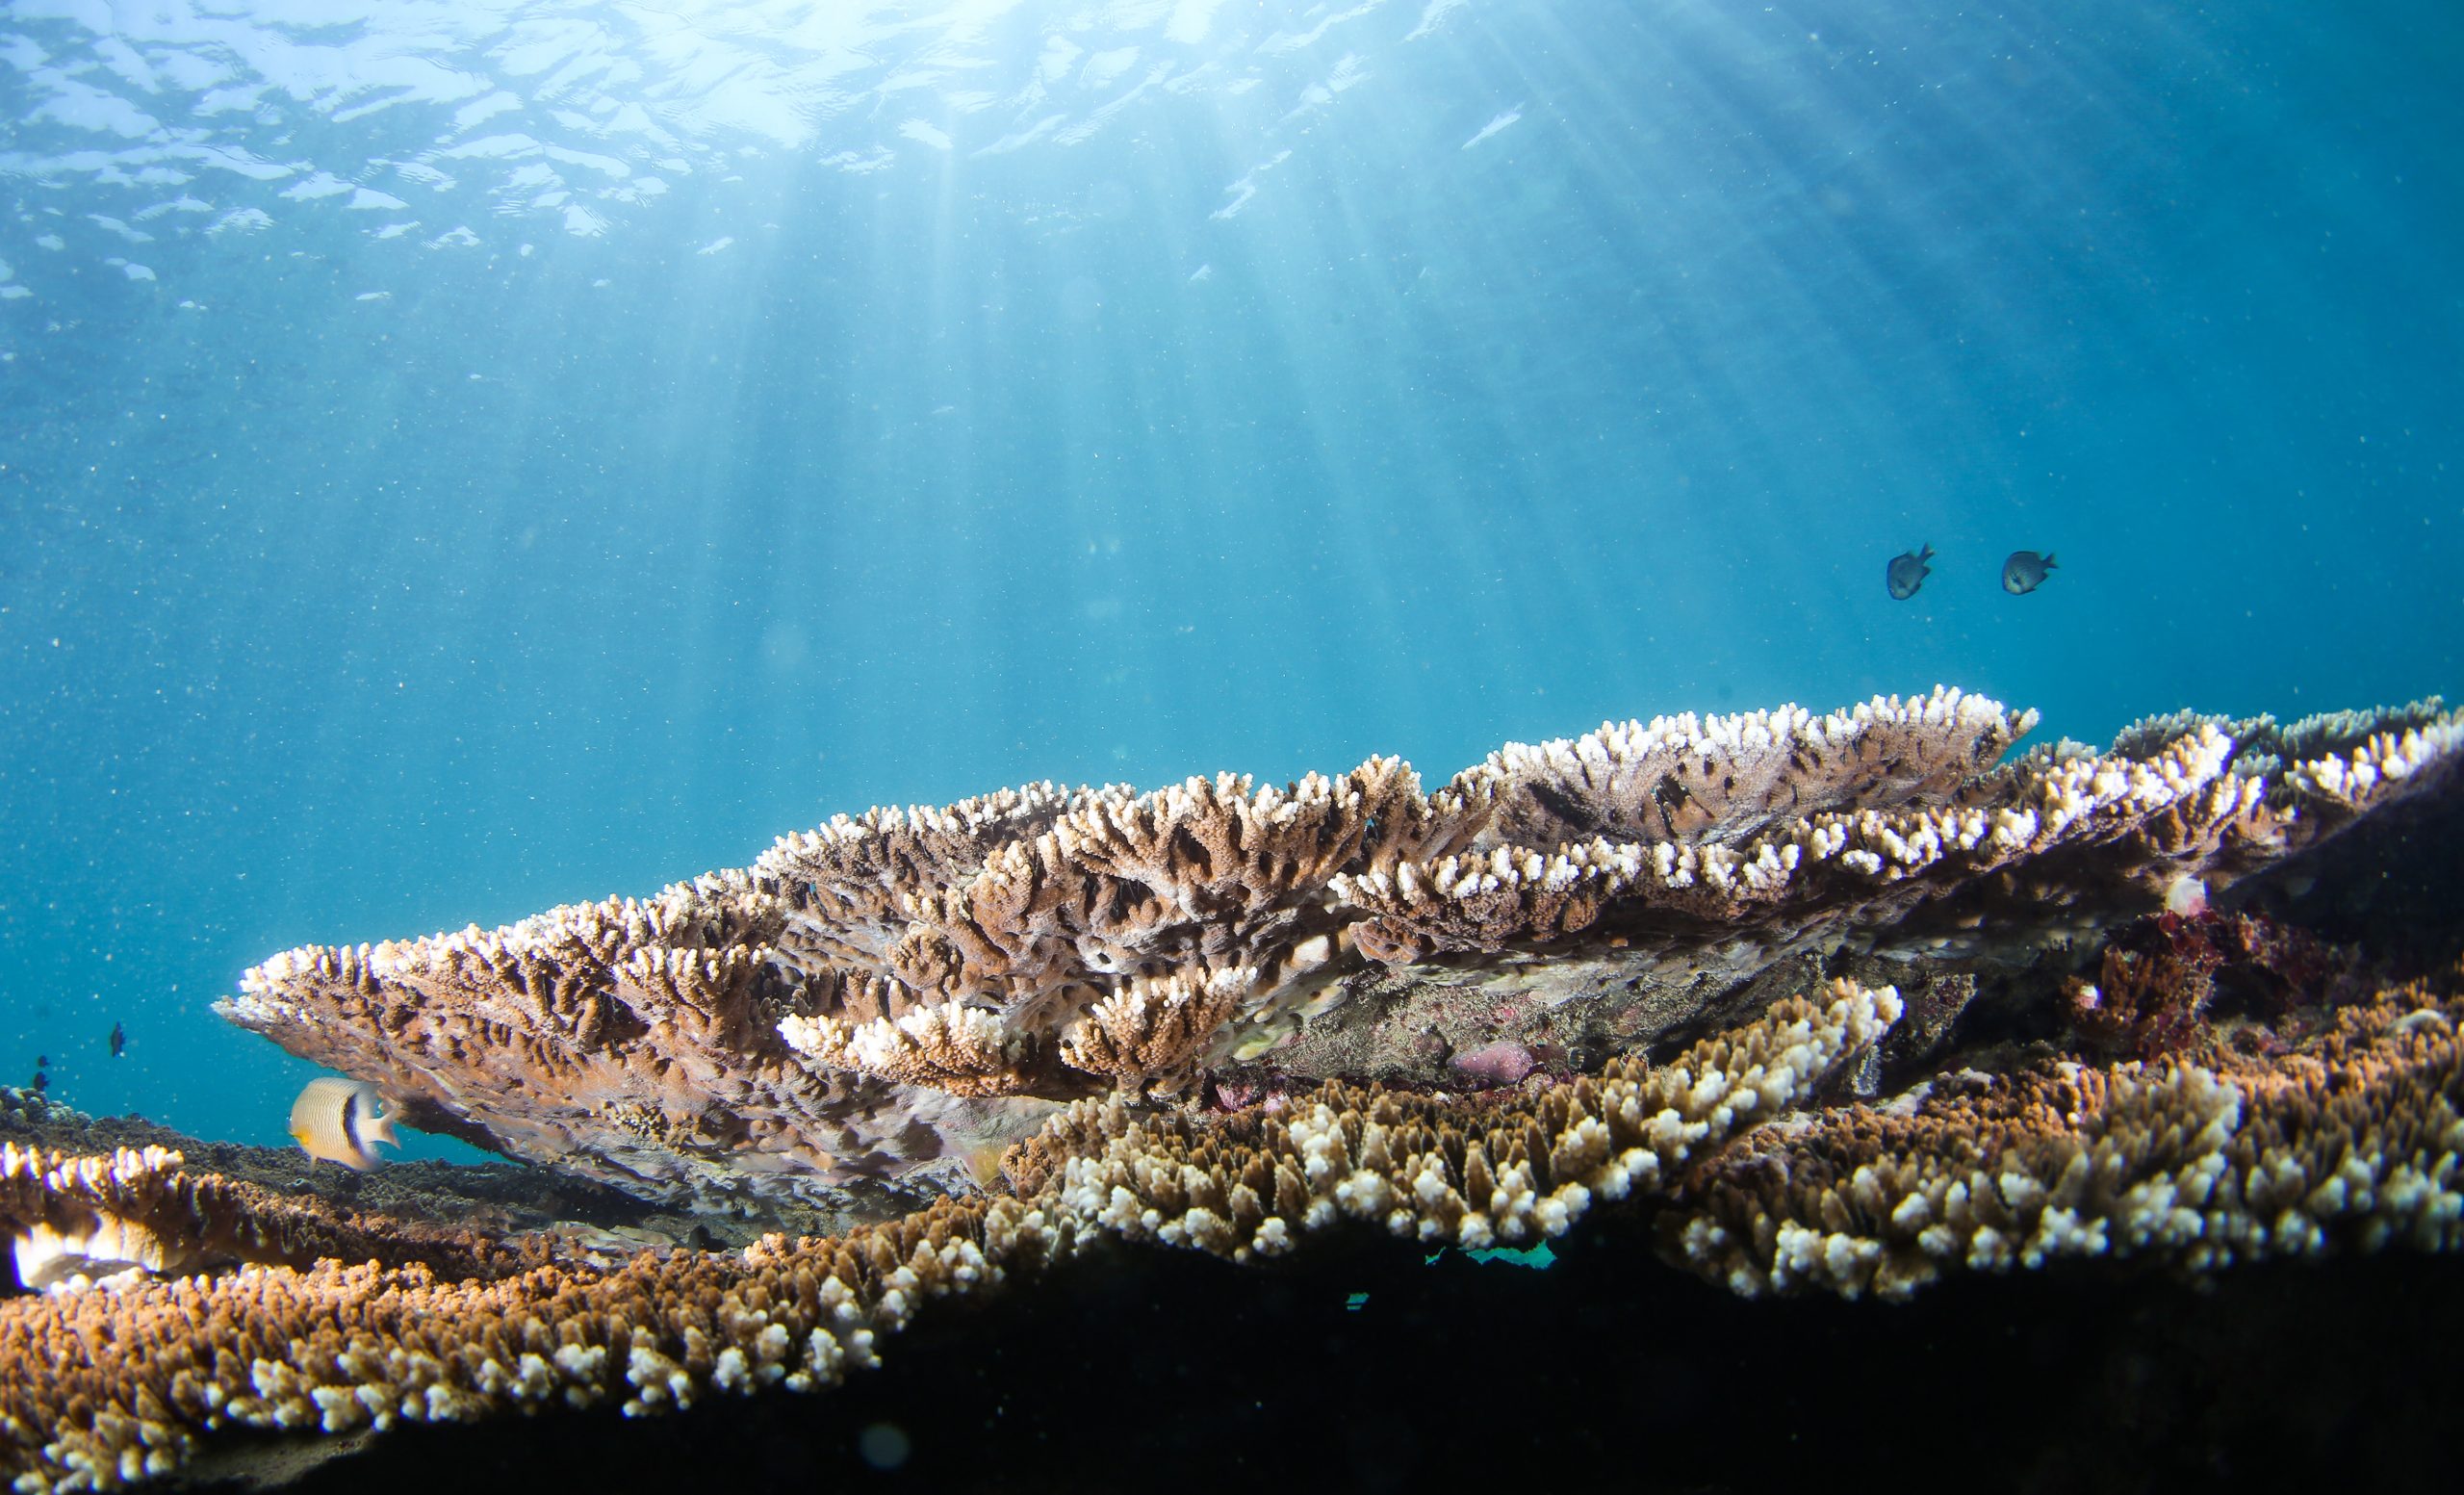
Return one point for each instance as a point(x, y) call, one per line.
point(884, 1445)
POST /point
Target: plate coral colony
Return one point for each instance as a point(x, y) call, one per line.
point(1841, 1004)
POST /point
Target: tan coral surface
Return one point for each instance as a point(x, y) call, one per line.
point(911, 985)
point(113, 1385)
point(2350, 1140)
point(138, 1209)
point(2343, 1135)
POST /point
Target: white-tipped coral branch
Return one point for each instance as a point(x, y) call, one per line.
point(949, 1047)
point(1153, 1029)
point(2350, 1141)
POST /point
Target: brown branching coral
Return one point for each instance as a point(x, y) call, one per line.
point(1934, 854)
point(634, 1042)
point(2348, 1138)
point(338, 1347)
point(1722, 779)
point(70, 1216)
point(1152, 1029)
point(1509, 1167)
point(110, 1387)
point(916, 984)
point(949, 1047)
point(2348, 1141)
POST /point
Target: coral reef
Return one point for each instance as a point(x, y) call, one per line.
point(114, 1385)
point(924, 984)
point(1180, 1000)
point(1506, 1167)
point(2337, 1130)
point(498, 1200)
point(70, 1218)
point(2156, 980)
point(2346, 1138)
point(118, 1384)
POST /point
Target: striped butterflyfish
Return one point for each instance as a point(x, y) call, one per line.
point(339, 1119)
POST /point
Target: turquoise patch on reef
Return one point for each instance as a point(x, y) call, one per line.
point(1533, 1256)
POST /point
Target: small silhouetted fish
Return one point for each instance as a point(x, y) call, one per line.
point(338, 1119)
point(120, 1039)
point(2024, 572)
point(1907, 573)
point(43, 1080)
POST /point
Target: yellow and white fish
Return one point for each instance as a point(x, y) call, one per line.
point(340, 1120)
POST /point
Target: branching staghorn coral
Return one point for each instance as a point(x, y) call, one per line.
point(1153, 1028)
point(918, 984)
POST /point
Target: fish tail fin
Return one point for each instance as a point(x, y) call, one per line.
point(1928, 552)
point(376, 1129)
point(2048, 561)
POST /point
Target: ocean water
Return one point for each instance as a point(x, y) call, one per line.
point(490, 455)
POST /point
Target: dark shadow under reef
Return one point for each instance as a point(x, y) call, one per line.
point(1144, 1369)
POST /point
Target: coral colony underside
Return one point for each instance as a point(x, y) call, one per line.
point(1849, 1004)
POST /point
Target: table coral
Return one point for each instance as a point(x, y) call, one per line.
point(911, 985)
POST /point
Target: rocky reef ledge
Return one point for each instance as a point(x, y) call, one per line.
point(1855, 1006)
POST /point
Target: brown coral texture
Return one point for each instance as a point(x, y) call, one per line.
point(923, 982)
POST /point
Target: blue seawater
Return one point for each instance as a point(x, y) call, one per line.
point(490, 454)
